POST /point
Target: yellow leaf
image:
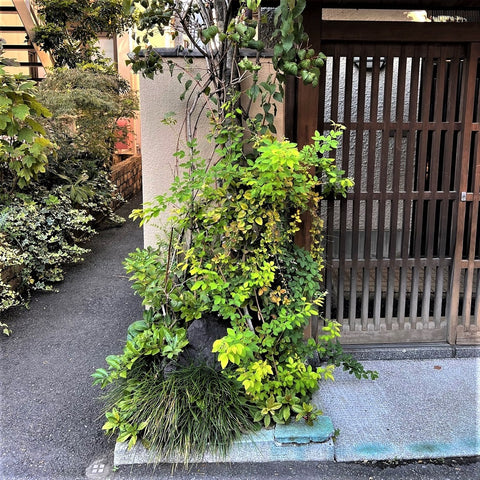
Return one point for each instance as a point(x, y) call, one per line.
point(259, 220)
point(223, 358)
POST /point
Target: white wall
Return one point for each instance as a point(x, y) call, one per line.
point(159, 142)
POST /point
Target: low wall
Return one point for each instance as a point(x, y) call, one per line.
point(127, 176)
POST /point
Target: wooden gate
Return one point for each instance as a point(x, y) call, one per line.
point(402, 249)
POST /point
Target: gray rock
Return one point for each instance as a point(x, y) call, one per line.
point(201, 334)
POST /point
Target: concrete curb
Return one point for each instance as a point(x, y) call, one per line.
point(294, 442)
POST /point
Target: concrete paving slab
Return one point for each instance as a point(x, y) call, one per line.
point(301, 433)
point(415, 409)
point(259, 447)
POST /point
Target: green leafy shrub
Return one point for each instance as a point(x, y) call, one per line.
point(10, 264)
point(46, 230)
point(86, 104)
point(239, 259)
point(230, 251)
point(23, 145)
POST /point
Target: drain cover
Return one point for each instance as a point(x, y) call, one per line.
point(99, 469)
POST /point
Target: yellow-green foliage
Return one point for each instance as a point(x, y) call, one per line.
point(233, 253)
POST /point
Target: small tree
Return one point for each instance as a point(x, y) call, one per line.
point(86, 104)
point(221, 31)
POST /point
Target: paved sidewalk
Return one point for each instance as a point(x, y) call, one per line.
point(415, 409)
point(50, 414)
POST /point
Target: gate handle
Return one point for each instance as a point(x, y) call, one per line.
point(466, 196)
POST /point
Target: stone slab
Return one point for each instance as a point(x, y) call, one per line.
point(259, 447)
point(301, 433)
point(415, 409)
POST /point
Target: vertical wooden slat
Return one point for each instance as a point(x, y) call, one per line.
point(409, 174)
point(397, 158)
point(307, 110)
point(329, 286)
point(372, 137)
point(467, 117)
point(347, 99)
point(427, 76)
point(477, 301)
point(360, 121)
point(386, 120)
point(448, 157)
point(433, 181)
point(335, 81)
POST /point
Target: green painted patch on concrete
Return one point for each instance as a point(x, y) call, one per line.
point(372, 449)
point(472, 443)
point(426, 447)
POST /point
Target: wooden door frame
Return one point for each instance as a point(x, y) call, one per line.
point(459, 263)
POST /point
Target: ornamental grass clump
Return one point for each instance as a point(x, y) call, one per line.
point(184, 414)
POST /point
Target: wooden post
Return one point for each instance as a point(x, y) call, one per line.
point(467, 120)
point(307, 102)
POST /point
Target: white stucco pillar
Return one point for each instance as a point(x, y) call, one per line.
point(158, 98)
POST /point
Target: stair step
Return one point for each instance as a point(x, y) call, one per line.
point(17, 28)
point(7, 46)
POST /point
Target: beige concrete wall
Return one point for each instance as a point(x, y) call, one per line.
point(158, 97)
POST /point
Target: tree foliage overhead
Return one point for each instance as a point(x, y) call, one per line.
point(23, 144)
point(70, 28)
point(224, 32)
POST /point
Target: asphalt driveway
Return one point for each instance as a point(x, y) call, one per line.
point(50, 420)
